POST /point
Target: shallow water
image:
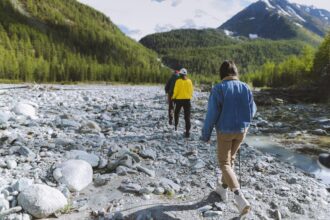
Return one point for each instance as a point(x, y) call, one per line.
point(302, 161)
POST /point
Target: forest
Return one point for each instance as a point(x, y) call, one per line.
point(65, 41)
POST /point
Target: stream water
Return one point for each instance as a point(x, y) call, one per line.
point(302, 161)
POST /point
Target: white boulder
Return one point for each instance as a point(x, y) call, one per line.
point(75, 174)
point(41, 200)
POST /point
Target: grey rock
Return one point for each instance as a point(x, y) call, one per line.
point(27, 152)
point(22, 184)
point(148, 154)
point(90, 127)
point(199, 164)
point(122, 171)
point(159, 191)
point(204, 208)
point(130, 188)
point(24, 109)
point(169, 183)
point(75, 174)
point(92, 159)
point(292, 180)
point(146, 190)
point(41, 200)
point(149, 172)
point(11, 164)
point(67, 123)
point(4, 204)
point(211, 213)
point(4, 116)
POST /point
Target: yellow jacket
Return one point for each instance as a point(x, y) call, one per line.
point(183, 89)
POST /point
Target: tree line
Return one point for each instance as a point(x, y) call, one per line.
point(56, 41)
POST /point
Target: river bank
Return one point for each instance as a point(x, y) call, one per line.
point(139, 166)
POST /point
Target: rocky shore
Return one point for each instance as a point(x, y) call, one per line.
point(107, 152)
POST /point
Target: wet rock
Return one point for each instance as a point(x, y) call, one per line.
point(319, 132)
point(92, 159)
point(75, 174)
point(41, 200)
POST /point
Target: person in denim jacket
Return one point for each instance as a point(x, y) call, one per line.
point(230, 110)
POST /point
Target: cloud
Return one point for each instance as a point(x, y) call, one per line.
point(199, 13)
point(163, 28)
point(176, 3)
point(189, 23)
point(159, 1)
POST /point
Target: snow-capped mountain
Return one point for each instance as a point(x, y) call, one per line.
point(279, 19)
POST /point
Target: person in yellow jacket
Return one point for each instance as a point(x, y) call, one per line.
point(182, 94)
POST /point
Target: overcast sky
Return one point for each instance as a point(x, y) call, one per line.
point(137, 18)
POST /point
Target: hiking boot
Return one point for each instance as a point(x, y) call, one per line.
point(222, 192)
point(242, 204)
point(324, 161)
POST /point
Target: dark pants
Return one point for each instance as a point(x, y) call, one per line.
point(170, 109)
point(186, 109)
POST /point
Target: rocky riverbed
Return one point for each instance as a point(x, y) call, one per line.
point(107, 152)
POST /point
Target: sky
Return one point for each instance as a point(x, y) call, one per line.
point(138, 18)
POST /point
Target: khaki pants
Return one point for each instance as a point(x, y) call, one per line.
point(228, 145)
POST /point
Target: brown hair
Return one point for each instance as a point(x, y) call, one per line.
point(228, 68)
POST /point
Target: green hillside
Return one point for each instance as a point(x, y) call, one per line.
point(202, 51)
point(58, 40)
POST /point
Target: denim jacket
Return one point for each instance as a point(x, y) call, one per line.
point(230, 108)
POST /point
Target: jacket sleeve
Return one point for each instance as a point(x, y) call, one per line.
point(252, 104)
point(212, 115)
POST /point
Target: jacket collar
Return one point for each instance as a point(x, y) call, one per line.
point(230, 78)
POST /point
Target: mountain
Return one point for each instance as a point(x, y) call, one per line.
point(58, 40)
point(280, 19)
point(268, 30)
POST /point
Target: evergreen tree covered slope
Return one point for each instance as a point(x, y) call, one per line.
point(202, 51)
point(58, 40)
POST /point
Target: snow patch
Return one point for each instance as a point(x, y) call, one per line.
point(326, 18)
point(252, 18)
point(321, 14)
point(299, 25)
point(253, 36)
point(307, 9)
point(293, 12)
point(268, 4)
point(282, 11)
point(298, 6)
point(228, 33)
